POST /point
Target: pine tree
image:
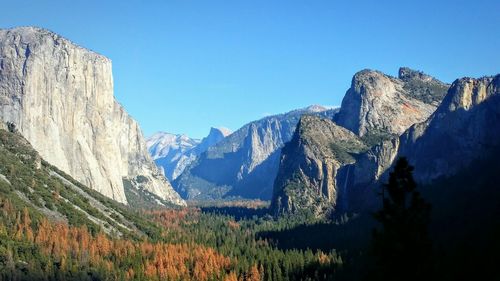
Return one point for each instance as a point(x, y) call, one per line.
point(402, 248)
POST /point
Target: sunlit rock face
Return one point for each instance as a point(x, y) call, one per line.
point(379, 103)
point(60, 96)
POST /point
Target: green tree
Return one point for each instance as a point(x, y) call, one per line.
point(401, 247)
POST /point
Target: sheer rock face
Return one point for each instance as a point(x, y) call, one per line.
point(173, 153)
point(380, 103)
point(309, 166)
point(60, 96)
point(376, 109)
point(244, 163)
point(464, 127)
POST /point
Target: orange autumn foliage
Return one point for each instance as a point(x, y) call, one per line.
point(253, 274)
point(159, 260)
point(172, 218)
point(232, 224)
point(231, 277)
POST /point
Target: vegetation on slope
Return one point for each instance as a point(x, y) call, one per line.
point(52, 227)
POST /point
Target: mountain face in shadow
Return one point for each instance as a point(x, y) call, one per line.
point(375, 109)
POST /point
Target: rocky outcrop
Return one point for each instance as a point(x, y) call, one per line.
point(422, 87)
point(378, 104)
point(173, 153)
point(465, 127)
point(377, 108)
point(245, 163)
point(60, 96)
point(309, 166)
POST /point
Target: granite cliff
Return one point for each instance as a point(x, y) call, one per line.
point(245, 163)
point(378, 105)
point(60, 97)
point(375, 109)
point(464, 127)
point(310, 163)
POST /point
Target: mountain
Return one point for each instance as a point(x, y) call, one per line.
point(381, 105)
point(464, 128)
point(376, 108)
point(173, 153)
point(59, 96)
point(245, 163)
point(27, 180)
point(214, 136)
point(466, 124)
point(312, 158)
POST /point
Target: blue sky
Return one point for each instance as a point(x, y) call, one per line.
point(184, 66)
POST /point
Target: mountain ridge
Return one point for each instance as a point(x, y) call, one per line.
point(376, 108)
point(466, 124)
point(246, 159)
point(173, 152)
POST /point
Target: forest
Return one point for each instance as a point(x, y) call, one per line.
point(51, 230)
point(190, 245)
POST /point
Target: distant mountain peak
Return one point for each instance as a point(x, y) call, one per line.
point(220, 130)
point(245, 163)
point(173, 152)
point(316, 108)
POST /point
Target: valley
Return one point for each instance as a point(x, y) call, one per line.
point(404, 170)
